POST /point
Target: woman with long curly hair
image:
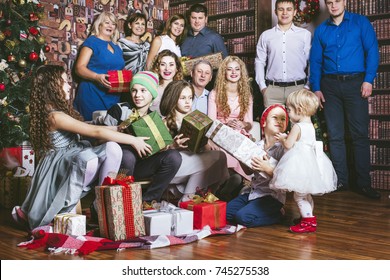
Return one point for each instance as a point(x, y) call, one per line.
point(67, 166)
point(171, 38)
point(231, 102)
point(197, 170)
point(168, 68)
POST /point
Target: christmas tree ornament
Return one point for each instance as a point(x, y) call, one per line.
point(3, 102)
point(1, 14)
point(2, 36)
point(10, 44)
point(22, 63)
point(7, 33)
point(33, 56)
point(46, 48)
point(23, 35)
point(2, 88)
point(8, 22)
point(12, 76)
point(33, 17)
point(41, 40)
point(33, 31)
point(11, 58)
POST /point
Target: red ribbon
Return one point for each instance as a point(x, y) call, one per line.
point(123, 181)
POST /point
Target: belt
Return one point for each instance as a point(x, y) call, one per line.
point(286, 84)
point(346, 77)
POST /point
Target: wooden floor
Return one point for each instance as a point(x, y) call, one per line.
point(349, 227)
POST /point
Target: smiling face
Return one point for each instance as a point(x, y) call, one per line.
point(66, 86)
point(138, 27)
point(177, 27)
point(285, 12)
point(167, 68)
point(198, 21)
point(201, 75)
point(107, 28)
point(233, 72)
point(142, 98)
point(184, 104)
point(275, 122)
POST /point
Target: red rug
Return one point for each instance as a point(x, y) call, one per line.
point(83, 245)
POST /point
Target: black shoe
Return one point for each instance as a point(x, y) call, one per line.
point(369, 192)
point(341, 187)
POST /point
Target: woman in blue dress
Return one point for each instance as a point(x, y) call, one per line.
point(99, 54)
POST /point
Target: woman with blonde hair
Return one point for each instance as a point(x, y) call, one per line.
point(231, 102)
point(171, 38)
point(98, 54)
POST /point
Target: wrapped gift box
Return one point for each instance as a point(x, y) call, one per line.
point(119, 210)
point(194, 126)
point(215, 60)
point(152, 126)
point(70, 224)
point(21, 156)
point(13, 190)
point(120, 80)
point(205, 213)
point(237, 144)
point(176, 222)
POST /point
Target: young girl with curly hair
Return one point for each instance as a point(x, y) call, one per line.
point(168, 68)
point(231, 102)
point(200, 170)
point(67, 166)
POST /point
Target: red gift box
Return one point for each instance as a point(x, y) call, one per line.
point(119, 207)
point(120, 80)
point(212, 214)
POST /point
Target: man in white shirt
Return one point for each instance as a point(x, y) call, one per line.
point(284, 51)
point(201, 75)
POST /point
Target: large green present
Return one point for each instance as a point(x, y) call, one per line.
point(195, 126)
point(153, 126)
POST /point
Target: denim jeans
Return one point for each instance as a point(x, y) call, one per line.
point(254, 213)
point(344, 105)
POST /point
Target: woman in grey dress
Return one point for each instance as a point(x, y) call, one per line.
point(67, 166)
point(135, 49)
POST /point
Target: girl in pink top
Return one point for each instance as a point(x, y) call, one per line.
point(231, 102)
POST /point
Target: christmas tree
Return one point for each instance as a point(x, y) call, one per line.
point(21, 51)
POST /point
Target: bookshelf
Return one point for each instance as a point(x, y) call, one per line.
point(378, 12)
point(240, 23)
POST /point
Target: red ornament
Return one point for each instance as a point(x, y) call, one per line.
point(33, 30)
point(46, 48)
point(33, 56)
point(2, 87)
point(7, 33)
point(33, 17)
point(11, 58)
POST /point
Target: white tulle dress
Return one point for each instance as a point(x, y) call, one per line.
point(305, 168)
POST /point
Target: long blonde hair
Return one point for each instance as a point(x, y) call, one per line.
point(99, 21)
point(243, 88)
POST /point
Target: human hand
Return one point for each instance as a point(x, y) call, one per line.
point(179, 141)
point(280, 136)
point(366, 89)
point(236, 124)
point(141, 147)
point(103, 80)
point(320, 97)
point(260, 164)
point(211, 146)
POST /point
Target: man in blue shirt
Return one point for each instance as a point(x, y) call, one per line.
point(201, 40)
point(343, 62)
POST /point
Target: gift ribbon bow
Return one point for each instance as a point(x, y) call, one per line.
point(208, 198)
point(123, 181)
point(170, 208)
point(132, 118)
